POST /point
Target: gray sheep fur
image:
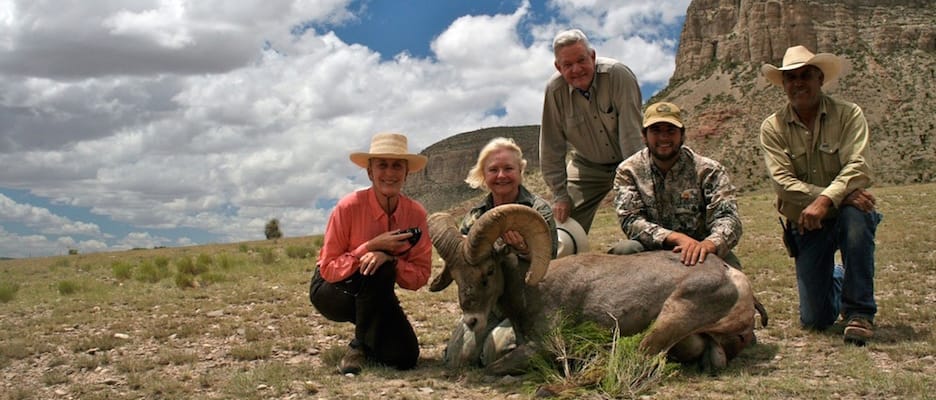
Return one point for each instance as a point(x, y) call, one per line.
point(702, 314)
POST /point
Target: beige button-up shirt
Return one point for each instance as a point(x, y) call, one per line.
point(603, 128)
point(830, 159)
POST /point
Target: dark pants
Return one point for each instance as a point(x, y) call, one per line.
point(369, 302)
point(823, 293)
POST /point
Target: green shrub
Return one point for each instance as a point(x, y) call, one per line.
point(242, 248)
point(203, 262)
point(224, 261)
point(151, 273)
point(185, 265)
point(161, 262)
point(266, 255)
point(122, 270)
point(213, 277)
point(184, 280)
point(300, 251)
point(67, 287)
point(8, 291)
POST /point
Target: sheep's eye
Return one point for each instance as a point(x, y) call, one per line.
point(490, 272)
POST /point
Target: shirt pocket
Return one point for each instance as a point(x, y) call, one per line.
point(830, 156)
point(798, 159)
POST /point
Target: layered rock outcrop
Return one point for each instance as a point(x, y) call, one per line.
point(890, 46)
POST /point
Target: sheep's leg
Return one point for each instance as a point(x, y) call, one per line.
point(516, 362)
point(704, 296)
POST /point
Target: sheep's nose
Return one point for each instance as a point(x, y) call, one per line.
point(470, 321)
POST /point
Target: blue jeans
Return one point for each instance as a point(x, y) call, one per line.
point(825, 290)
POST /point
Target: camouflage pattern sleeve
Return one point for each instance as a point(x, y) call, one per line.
point(721, 213)
point(633, 188)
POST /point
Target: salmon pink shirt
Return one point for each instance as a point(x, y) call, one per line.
point(358, 218)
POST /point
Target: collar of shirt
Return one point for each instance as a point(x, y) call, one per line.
point(789, 115)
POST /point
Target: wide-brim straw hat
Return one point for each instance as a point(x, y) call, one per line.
point(572, 238)
point(798, 57)
point(393, 146)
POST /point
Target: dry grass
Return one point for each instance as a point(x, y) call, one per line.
point(121, 327)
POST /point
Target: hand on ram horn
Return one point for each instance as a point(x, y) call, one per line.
point(515, 240)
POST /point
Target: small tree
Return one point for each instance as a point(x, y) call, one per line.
point(272, 229)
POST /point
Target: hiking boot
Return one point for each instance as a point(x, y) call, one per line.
point(352, 361)
point(858, 331)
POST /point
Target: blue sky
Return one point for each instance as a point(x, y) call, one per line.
point(172, 122)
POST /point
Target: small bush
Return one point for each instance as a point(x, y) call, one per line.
point(242, 248)
point(8, 291)
point(152, 273)
point(252, 351)
point(184, 265)
point(224, 261)
point(203, 262)
point(213, 277)
point(122, 270)
point(300, 251)
point(161, 262)
point(185, 280)
point(266, 255)
point(67, 287)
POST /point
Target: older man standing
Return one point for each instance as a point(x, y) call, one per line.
point(592, 104)
point(816, 152)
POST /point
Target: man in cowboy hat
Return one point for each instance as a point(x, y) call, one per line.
point(669, 197)
point(591, 107)
point(368, 248)
point(816, 152)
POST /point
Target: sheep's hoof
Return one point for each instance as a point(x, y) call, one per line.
point(714, 359)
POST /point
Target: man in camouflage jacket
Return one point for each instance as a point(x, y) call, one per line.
point(669, 197)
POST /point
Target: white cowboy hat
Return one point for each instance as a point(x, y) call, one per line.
point(798, 57)
point(572, 238)
point(390, 145)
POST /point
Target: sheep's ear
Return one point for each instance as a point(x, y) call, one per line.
point(441, 281)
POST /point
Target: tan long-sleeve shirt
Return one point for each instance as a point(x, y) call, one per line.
point(603, 128)
point(830, 159)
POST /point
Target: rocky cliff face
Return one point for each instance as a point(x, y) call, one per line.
point(889, 44)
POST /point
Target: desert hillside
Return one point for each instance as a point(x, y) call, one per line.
point(889, 44)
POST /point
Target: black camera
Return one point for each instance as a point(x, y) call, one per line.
point(416, 234)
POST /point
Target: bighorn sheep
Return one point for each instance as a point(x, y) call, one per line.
point(703, 313)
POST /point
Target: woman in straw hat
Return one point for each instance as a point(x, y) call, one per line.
point(816, 153)
point(499, 170)
point(367, 249)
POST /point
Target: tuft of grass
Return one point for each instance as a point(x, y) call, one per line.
point(586, 357)
point(94, 344)
point(252, 351)
point(267, 256)
point(55, 377)
point(67, 287)
point(176, 357)
point(15, 349)
point(8, 291)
